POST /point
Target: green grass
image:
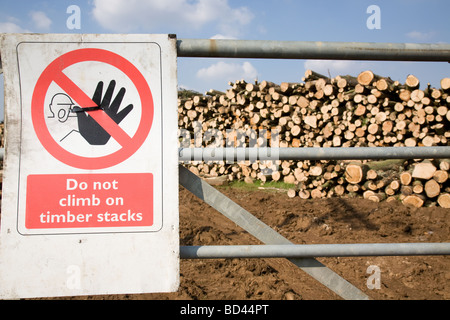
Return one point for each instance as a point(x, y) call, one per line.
point(271, 185)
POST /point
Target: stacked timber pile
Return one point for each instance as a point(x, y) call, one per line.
point(345, 111)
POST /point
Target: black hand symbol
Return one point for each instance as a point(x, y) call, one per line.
point(88, 127)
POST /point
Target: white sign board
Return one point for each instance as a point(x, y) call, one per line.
point(90, 187)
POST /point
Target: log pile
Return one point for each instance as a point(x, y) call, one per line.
point(346, 111)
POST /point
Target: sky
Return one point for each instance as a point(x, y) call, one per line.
point(397, 21)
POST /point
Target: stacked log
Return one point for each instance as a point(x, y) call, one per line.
point(346, 111)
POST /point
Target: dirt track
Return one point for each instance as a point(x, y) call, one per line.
point(332, 220)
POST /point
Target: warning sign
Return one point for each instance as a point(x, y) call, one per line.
point(90, 180)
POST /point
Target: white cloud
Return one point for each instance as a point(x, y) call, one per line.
point(133, 15)
point(225, 72)
point(420, 36)
point(336, 67)
point(222, 37)
point(40, 20)
point(10, 27)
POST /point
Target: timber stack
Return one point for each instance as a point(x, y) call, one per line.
point(367, 110)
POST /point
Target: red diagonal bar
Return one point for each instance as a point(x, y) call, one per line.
point(100, 116)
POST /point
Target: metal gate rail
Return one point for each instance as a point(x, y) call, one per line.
point(314, 250)
point(312, 153)
point(309, 153)
point(265, 49)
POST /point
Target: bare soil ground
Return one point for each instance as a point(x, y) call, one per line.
point(332, 220)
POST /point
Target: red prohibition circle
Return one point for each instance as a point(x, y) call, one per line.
point(54, 71)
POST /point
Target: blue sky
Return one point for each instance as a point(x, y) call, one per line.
point(418, 21)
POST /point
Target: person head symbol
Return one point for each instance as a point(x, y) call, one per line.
point(61, 107)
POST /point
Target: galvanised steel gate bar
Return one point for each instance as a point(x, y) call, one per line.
point(209, 48)
point(312, 153)
point(314, 250)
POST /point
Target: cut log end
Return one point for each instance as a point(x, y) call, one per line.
point(444, 200)
point(414, 200)
point(355, 173)
point(366, 78)
point(412, 81)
